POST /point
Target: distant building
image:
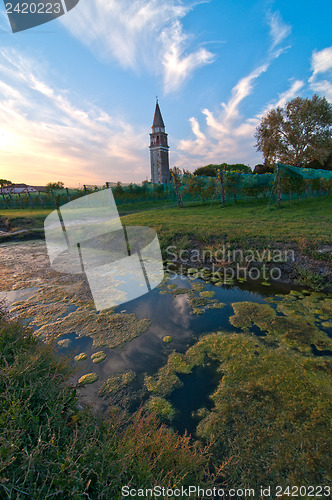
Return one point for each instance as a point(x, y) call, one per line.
point(21, 189)
point(159, 150)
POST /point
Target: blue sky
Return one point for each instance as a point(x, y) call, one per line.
point(77, 95)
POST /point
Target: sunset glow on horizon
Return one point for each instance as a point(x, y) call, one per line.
point(77, 95)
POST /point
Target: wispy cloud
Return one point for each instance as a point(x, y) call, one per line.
point(279, 30)
point(143, 33)
point(242, 90)
point(177, 66)
point(227, 135)
point(226, 139)
point(321, 64)
point(44, 136)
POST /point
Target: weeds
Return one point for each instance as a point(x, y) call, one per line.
point(311, 279)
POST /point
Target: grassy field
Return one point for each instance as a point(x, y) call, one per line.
point(26, 218)
point(305, 222)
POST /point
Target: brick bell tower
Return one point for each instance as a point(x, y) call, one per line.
point(159, 150)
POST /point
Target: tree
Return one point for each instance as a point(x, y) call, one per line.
point(54, 185)
point(239, 167)
point(4, 182)
point(209, 171)
point(118, 189)
point(298, 134)
point(263, 169)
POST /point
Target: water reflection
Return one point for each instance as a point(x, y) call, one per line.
point(12, 296)
point(169, 315)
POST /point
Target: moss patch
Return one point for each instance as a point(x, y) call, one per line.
point(80, 357)
point(180, 291)
point(98, 357)
point(166, 379)
point(216, 305)
point(116, 383)
point(107, 329)
point(207, 293)
point(296, 328)
point(197, 311)
point(39, 313)
point(197, 286)
point(249, 313)
point(89, 378)
point(200, 301)
point(266, 398)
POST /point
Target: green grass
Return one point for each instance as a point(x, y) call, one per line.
point(26, 218)
point(302, 222)
point(32, 218)
point(299, 222)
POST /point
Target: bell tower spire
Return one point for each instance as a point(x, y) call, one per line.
point(159, 149)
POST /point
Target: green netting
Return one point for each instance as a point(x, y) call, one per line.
point(305, 173)
point(192, 188)
point(235, 184)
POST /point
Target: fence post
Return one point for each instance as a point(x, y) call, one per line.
point(178, 194)
point(11, 199)
point(30, 200)
point(221, 180)
point(54, 200)
point(85, 189)
point(278, 185)
point(40, 199)
point(67, 190)
point(19, 197)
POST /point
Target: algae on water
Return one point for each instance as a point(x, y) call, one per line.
point(98, 357)
point(89, 378)
point(80, 357)
point(116, 383)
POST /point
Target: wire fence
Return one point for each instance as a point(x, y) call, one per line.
point(227, 187)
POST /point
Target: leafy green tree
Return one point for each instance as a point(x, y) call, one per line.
point(55, 185)
point(325, 165)
point(263, 169)
point(209, 171)
point(297, 134)
point(238, 167)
